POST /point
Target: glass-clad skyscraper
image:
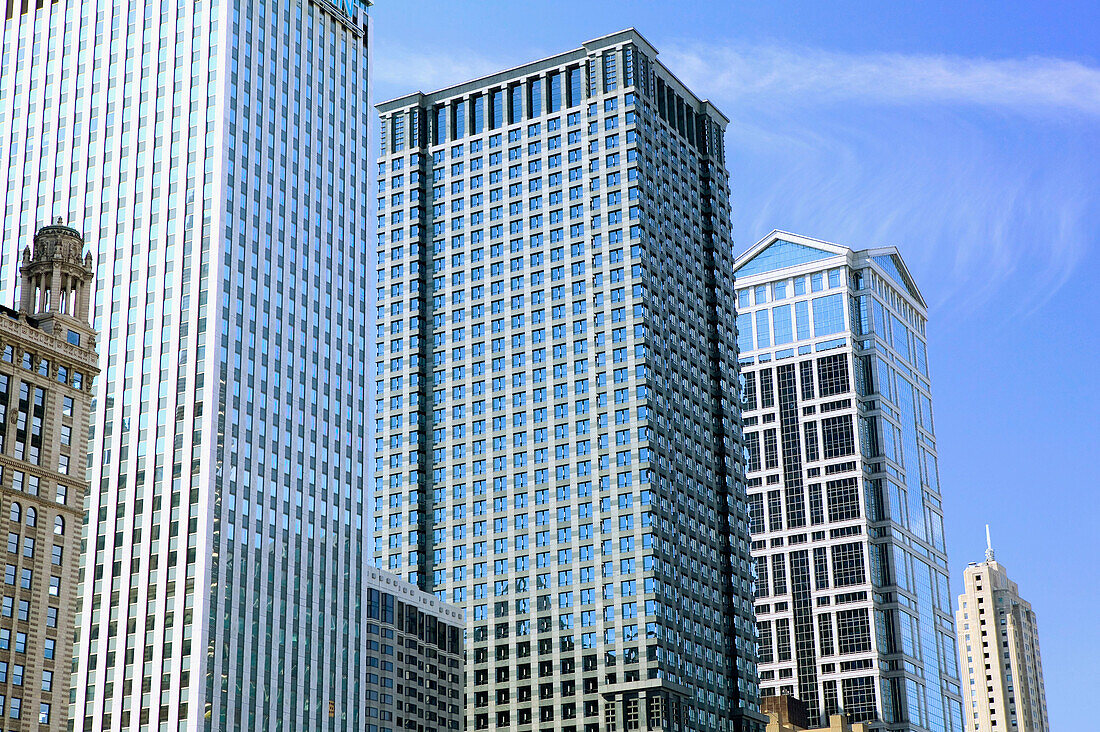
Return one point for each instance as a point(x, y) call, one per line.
point(852, 597)
point(212, 153)
point(558, 434)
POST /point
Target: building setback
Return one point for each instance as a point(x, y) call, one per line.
point(852, 595)
point(214, 154)
point(47, 364)
point(999, 650)
point(558, 434)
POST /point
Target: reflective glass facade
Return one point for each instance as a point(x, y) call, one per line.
point(555, 371)
point(852, 593)
point(212, 153)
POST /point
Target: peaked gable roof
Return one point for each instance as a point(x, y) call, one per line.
point(779, 250)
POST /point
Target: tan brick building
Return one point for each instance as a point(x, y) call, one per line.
point(47, 363)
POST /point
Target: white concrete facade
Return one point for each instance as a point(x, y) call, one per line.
point(852, 595)
point(213, 154)
point(1002, 670)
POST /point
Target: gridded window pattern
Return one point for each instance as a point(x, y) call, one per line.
point(779, 573)
point(848, 568)
point(767, 394)
point(817, 508)
point(756, 513)
point(843, 497)
point(750, 391)
point(761, 576)
point(752, 451)
point(810, 430)
point(821, 568)
point(806, 373)
point(825, 633)
point(832, 375)
point(764, 628)
point(853, 630)
point(796, 508)
point(775, 511)
point(859, 698)
point(838, 436)
point(783, 639)
point(771, 450)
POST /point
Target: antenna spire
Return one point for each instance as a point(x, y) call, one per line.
point(988, 545)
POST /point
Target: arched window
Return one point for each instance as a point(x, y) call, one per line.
point(16, 511)
point(32, 516)
point(59, 526)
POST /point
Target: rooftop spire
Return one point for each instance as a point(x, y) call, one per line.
point(988, 545)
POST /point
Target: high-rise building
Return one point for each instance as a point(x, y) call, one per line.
point(999, 652)
point(47, 363)
point(558, 434)
point(414, 650)
point(852, 594)
point(213, 152)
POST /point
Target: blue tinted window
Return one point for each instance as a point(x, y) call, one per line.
point(744, 332)
point(781, 322)
point(802, 319)
point(799, 285)
point(779, 255)
point(761, 294)
point(828, 315)
point(816, 282)
point(554, 101)
point(763, 333)
point(779, 290)
point(834, 278)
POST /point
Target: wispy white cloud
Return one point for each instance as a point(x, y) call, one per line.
point(976, 168)
point(878, 149)
point(407, 69)
point(811, 76)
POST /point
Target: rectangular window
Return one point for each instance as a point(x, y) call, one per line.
point(764, 630)
point(837, 436)
point(802, 319)
point(783, 639)
point(825, 633)
point(821, 568)
point(843, 498)
point(781, 323)
point(848, 564)
point(832, 375)
point(810, 431)
point(853, 631)
point(779, 574)
point(775, 511)
point(763, 332)
point(828, 315)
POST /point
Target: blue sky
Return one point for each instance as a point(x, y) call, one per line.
point(966, 134)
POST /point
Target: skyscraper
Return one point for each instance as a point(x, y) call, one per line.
point(999, 649)
point(557, 428)
point(212, 152)
point(47, 363)
point(852, 594)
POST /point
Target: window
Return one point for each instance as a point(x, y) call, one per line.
point(828, 315)
point(848, 564)
point(837, 436)
point(843, 498)
point(859, 698)
point(832, 374)
point(853, 631)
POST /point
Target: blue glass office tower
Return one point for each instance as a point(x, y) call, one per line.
point(852, 596)
point(212, 153)
point(558, 433)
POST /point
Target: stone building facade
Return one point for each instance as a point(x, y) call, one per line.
point(47, 364)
